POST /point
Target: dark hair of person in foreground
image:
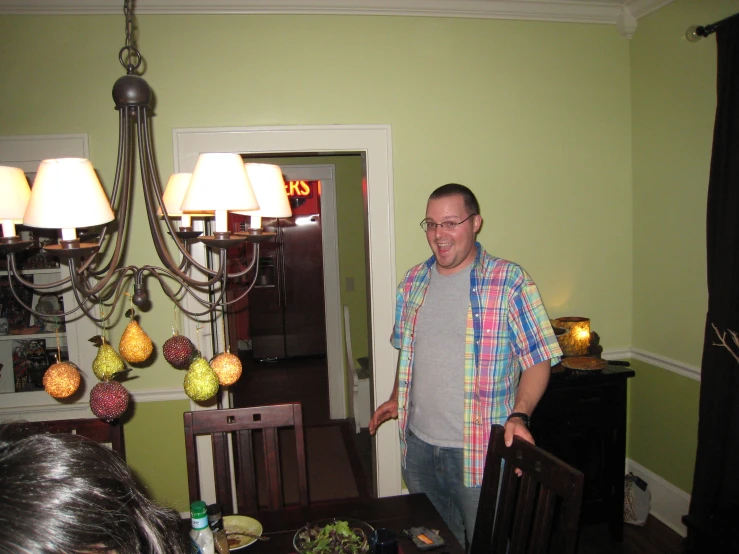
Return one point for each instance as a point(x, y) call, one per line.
point(62, 493)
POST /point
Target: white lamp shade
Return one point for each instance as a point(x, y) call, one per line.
point(14, 191)
point(269, 187)
point(67, 194)
point(219, 183)
point(175, 193)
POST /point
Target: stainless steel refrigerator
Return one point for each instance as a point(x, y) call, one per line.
point(286, 306)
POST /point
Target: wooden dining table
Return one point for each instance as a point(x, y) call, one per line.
point(393, 512)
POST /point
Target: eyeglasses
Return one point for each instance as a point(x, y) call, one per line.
point(448, 225)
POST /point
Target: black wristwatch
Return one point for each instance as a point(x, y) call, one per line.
point(523, 417)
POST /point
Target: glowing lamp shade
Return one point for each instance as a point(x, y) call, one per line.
point(66, 195)
point(174, 193)
point(14, 191)
point(173, 196)
point(219, 183)
point(577, 340)
point(269, 186)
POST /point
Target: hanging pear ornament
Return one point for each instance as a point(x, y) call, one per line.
point(228, 368)
point(109, 400)
point(107, 362)
point(61, 380)
point(178, 350)
point(135, 345)
point(201, 382)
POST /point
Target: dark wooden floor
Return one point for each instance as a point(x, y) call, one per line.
point(305, 380)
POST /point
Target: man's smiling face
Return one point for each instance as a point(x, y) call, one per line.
point(454, 248)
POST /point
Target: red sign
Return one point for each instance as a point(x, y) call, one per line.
point(300, 189)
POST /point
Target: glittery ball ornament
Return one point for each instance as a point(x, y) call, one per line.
point(228, 368)
point(61, 380)
point(201, 382)
point(178, 350)
point(108, 400)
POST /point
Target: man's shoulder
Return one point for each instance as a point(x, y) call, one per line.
point(493, 265)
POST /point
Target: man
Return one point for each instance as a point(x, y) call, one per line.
point(476, 348)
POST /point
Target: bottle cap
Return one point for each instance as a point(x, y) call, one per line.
point(198, 510)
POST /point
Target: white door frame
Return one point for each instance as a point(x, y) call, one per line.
point(375, 142)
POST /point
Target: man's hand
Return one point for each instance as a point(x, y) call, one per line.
point(385, 411)
point(516, 427)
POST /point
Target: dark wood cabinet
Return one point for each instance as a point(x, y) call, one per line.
point(581, 419)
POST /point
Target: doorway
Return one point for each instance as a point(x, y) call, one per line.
point(374, 141)
point(320, 169)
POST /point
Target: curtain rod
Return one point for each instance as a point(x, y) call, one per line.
point(696, 32)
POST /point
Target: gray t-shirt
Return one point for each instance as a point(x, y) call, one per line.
point(437, 383)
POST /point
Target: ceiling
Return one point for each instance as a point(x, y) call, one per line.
point(623, 14)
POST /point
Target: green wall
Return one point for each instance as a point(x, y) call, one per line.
point(663, 423)
point(155, 449)
point(561, 129)
point(673, 104)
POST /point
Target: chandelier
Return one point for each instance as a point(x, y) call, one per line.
point(67, 196)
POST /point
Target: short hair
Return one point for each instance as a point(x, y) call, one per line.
point(66, 493)
point(452, 189)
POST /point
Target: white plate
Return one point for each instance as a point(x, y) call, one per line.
point(243, 524)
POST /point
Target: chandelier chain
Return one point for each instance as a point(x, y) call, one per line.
point(129, 55)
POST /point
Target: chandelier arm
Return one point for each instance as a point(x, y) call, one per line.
point(211, 306)
point(115, 295)
point(243, 294)
point(30, 309)
point(15, 272)
point(249, 266)
point(124, 164)
point(93, 292)
point(153, 198)
point(103, 296)
point(123, 138)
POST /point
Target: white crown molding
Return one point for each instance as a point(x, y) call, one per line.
point(681, 368)
point(640, 8)
point(576, 11)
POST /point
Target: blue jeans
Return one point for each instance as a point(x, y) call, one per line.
point(439, 472)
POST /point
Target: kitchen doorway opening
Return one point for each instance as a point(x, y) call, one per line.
point(373, 142)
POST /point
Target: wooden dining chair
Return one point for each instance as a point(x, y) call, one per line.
point(535, 513)
point(92, 428)
point(239, 426)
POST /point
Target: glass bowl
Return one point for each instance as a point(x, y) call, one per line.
point(345, 535)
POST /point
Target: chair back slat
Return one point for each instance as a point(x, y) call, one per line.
point(222, 468)
point(536, 513)
point(243, 426)
point(91, 428)
point(522, 514)
point(272, 465)
point(246, 494)
point(504, 517)
point(542, 520)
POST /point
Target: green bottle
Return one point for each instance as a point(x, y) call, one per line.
point(201, 537)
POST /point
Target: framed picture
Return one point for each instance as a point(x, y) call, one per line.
point(18, 317)
point(30, 362)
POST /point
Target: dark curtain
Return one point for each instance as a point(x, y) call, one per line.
point(715, 495)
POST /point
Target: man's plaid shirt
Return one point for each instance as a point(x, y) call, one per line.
point(508, 330)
